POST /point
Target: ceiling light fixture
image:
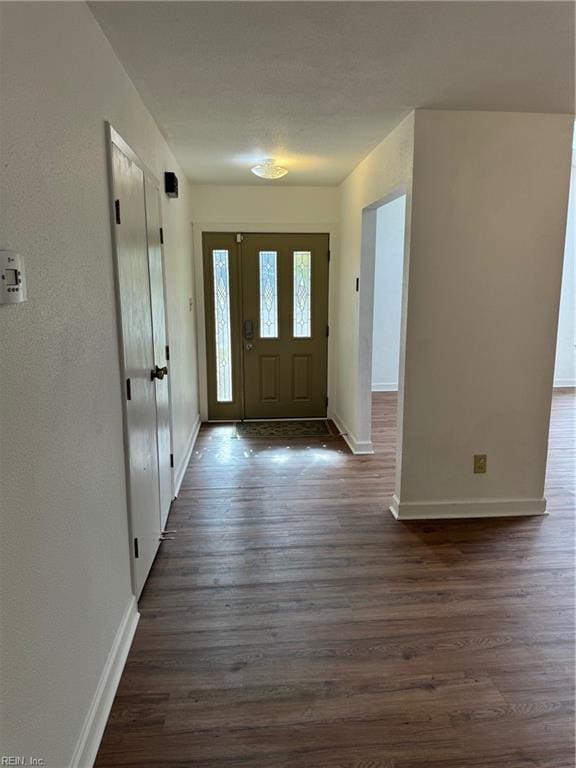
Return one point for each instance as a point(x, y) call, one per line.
point(269, 170)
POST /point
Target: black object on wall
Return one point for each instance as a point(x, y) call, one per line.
point(171, 184)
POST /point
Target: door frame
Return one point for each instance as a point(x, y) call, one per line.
point(199, 229)
point(363, 439)
point(113, 138)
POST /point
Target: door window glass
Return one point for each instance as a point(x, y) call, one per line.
point(302, 294)
point(268, 295)
point(222, 321)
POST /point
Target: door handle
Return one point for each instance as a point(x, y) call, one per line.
point(249, 347)
point(248, 329)
point(159, 373)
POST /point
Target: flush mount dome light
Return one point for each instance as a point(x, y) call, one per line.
point(268, 170)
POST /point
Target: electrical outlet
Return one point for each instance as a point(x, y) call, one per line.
point(480, 461)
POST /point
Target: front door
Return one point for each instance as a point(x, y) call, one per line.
point(267, 325)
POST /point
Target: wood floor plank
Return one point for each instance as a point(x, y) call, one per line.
point(292, 623)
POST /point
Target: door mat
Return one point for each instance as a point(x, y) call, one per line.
point(306, 428)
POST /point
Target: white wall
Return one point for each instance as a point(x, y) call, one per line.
point(487, 239)
point(384, 173)
point(264, 204)
point(65, 578)
point(261, 209)
point(389, 267)
point(565, 369)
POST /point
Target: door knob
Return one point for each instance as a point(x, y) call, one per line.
point(158, 373)
point(249, 347)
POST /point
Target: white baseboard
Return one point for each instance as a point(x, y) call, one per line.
point(97, 717)
point(564, 383)
point(391, 386)
point(466, 508)
point(185, 458)
point(355, 445)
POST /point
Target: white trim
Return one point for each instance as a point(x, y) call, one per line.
point(355, 445)
point(93, 728)
point(185, 460)
point(563, 383)
point(466, 508)
point(390, 386)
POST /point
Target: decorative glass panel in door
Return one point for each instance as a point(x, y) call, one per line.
point(302, 294)
point(268, 295)
point(222, 323)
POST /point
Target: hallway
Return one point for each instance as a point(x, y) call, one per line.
point(292, 623)
point(201, 201)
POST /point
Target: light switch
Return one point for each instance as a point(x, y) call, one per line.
point(12, 278)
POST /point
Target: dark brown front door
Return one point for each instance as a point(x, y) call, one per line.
point(267, 325)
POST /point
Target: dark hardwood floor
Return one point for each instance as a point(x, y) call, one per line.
point(293, 623)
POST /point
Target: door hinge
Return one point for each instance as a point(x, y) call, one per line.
point(239, 237)
point(128, 389)
point(167, 352)
point(171, 459)
point(117, 210)
point(136, 553)
point(328, 255)
point(161, 236)
point(326, 401)
point(327, 330)
point(357, 284)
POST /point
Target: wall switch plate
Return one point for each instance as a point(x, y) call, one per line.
point(12, 278)
point(480, 463)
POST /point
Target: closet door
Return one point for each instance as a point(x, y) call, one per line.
point(133, 284)
point(160, 340)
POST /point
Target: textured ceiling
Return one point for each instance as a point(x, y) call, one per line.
point(317, 85)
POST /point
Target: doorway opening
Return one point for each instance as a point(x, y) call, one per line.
point(565, 363)
point(388, 269)
point(266, 305)
point(387, 317)
point(381, 320)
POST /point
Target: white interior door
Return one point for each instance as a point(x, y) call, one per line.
point(138, 352)
point(156, 269)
